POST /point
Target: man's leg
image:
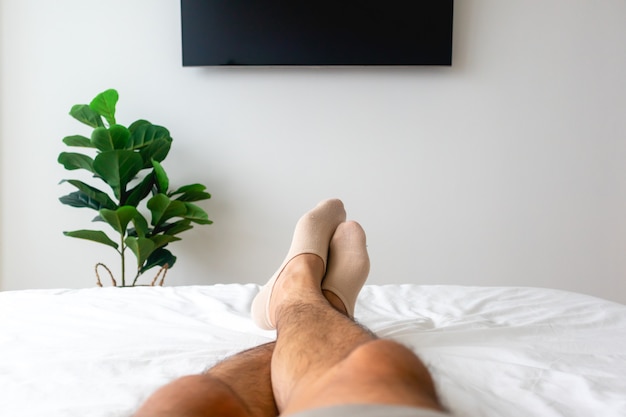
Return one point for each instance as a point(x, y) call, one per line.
point(240, 386)
point(236, 387)
point(322, 357)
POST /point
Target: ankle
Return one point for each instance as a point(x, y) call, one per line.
point(299, 281)
point(302, 271)
point(335, 301)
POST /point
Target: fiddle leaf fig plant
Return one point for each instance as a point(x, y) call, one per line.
point(128, 160)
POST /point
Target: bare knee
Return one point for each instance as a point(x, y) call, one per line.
point(376, 372)
point(392, 362)
point(193, 396)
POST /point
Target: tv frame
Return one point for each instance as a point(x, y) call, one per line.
point(194, 49)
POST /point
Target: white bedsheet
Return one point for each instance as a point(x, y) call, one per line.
point(493, 351)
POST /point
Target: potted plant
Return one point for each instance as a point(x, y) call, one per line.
point(128, 160)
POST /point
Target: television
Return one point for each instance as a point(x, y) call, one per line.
point(316, 32)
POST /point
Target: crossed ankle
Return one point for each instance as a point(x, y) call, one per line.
point(311, 238)
point(335, 302)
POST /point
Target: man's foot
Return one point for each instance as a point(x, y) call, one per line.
point(311, 237)
point(348, 267)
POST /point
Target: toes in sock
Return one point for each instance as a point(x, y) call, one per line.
point(348, 264)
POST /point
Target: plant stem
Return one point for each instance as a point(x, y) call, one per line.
point(122, 254)
point(136, 276)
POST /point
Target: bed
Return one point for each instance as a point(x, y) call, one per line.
point(493, 351)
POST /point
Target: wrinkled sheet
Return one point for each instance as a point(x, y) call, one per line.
point(492, 351)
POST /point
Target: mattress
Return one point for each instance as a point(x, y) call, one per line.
point(492, 351)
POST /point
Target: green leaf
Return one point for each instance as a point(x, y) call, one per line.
point(159, 257)
point(163, 208)
point(142, 247)
point(156, 150)
point(194, 196)
point(104, 104)
point(72, 161)
point(80, 200)
point(163, 240)
point(101, 139)
point(196, 214)
point(153, 142)
point(176, 227)
point(118, 219)
point(117, 168)
point(192, 192)
point(141, 225)
point(84, 114)
point(144, 132)
point(134, 125)
point(140, 191)
point(120, 136)
point(162, 182)
point(98, 199)
point(115, 137)
point(188, 188)
point(77, 140)
point(93, 235)
point(157, 206)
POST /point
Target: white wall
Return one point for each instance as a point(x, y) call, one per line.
point(506, 169)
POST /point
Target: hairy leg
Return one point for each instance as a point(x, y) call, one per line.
point(239, 386)
point(323, 358)
point(305, 348)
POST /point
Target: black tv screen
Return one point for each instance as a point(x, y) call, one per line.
point(316, 32)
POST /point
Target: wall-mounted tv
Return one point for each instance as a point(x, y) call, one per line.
point(316, 32)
